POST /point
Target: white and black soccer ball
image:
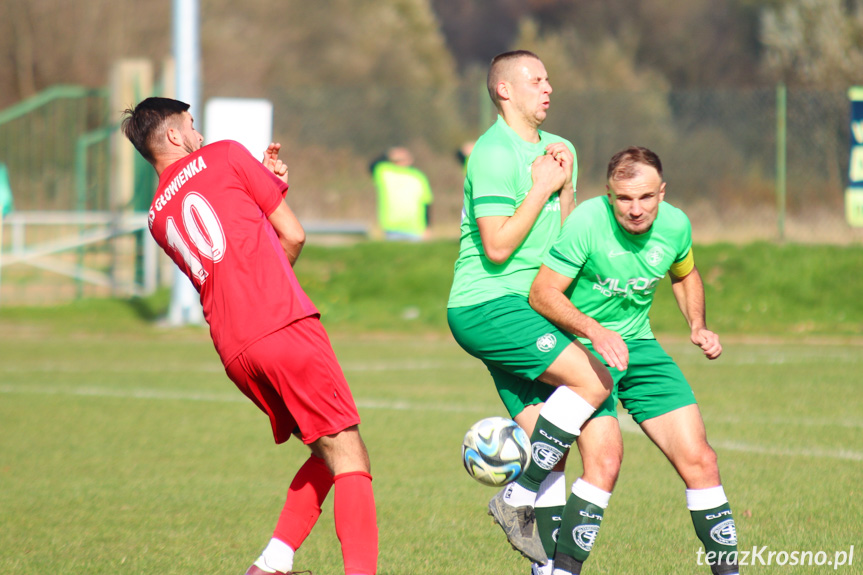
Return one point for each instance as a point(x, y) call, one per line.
point(495, 451)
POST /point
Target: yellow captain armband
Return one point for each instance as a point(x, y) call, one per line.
point(682, 268)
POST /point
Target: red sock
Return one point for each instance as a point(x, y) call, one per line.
point(356, 522)
point(302, 508)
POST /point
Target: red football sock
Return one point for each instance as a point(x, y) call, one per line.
point(302, 508)
point(356, 522)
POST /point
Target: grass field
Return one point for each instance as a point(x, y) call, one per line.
point(125, 449)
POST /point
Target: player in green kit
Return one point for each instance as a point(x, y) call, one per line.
point(609, 258)
point(518, 190)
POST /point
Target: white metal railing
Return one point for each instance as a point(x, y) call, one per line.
point(95, 227)
point(101, 226)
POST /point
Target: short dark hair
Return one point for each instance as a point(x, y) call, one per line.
point(623, 164)
point(143, 123)
point(494, 70)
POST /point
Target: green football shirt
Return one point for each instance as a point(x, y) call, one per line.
point(497, 181)
point(616, 273)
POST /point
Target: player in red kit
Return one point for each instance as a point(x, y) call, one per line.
point(222, 218)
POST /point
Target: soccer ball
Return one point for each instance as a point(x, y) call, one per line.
point(495, 451)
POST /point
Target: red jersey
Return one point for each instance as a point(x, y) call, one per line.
point(210, 216)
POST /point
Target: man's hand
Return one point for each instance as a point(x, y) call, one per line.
point(564, 157)
point(610, 346)
point(707, 341)
point(272, 162)
point(547, 175)
point(560, 152)
point(689, 293)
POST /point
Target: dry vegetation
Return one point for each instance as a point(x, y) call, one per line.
point(693, 79)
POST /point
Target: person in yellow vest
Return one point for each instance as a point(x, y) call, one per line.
point(404, 196)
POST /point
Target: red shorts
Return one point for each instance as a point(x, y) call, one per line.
point(293, 376)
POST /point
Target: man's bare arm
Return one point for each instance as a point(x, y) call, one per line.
point(502, 235)
point(689, 293)
point(548, 297)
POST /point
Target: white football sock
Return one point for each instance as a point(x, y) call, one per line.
point(277, 556)
point(566, 410)
point(518, 496)
point(591, 493)
point(537, 569)
point(703, 499)
point(552, 490)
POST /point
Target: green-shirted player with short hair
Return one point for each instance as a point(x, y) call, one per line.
point(598, 281)
point(518, 190)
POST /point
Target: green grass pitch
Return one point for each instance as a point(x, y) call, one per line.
point(127, 450)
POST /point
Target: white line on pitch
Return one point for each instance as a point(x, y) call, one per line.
point(215, 367)
point(226, 397)
point(629, 426)
point(626, 424)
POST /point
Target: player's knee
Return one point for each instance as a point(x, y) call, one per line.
point(343, 443)
point(348, 451)
point(602, 389)
point(607, 384)
point(702, 464)
point(604, 382)
point(602, 469)
point(604, 474)
point(707, 459)
point(594, 390)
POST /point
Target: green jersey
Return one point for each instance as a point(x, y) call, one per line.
point(615, 273)
point(497, 182)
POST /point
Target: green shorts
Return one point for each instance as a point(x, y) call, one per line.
point(516, 344)
point(652, 384)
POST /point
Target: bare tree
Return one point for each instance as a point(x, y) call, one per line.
point(814, 42)
point(53, 42)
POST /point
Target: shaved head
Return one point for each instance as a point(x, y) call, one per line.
point(502, 69)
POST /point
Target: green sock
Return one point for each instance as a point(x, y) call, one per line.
point(579, 528)
point(549, 443)
point(716, 529)
point(550, 501)
point(548, 524)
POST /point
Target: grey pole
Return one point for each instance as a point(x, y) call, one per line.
point(185, 307)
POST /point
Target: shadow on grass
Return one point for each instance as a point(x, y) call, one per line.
point(151, 308)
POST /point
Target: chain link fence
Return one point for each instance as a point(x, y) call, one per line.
point(56, 147)
point(719, 150)
point(41, 141)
